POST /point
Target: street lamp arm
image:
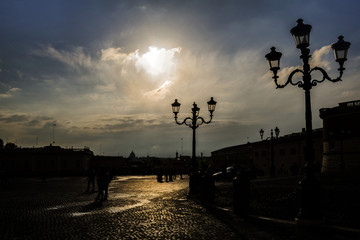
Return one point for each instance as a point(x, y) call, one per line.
point(184, 121)
point(202, 121)
point(325, 76)
point(290, 78)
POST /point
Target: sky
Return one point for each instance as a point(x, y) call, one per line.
point(103, 74)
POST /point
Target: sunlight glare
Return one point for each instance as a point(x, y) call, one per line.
point(157, 60)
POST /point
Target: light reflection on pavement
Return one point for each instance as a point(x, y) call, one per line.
point(137, 208)
point(134, 191)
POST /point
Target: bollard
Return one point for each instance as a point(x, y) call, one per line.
point(241, 187)
point(207, 190)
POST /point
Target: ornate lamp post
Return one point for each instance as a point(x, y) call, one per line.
point(277, 132)
point(194, 122)
point(301, 33)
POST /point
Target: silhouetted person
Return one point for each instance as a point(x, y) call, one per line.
point(241, 184)
point(103, 180)
point(159, 175)
point(166, 175)
point(91, 180)
point(170, 175)
point(113, 174)
point(174, 173)
point(180, 173)
point(309, 193)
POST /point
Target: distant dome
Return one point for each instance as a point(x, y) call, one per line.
point(132, 155)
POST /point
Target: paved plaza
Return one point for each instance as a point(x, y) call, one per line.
point(137, 208)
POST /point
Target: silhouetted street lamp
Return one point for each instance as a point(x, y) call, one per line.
point(261, 133)
point(54, 125)
point(277, 131)
point(301, 33)
point(194, 122)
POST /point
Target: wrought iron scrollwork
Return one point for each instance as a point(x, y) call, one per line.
point(190, 122)
point(302, 84)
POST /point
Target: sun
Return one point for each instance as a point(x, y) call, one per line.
point(158, 61)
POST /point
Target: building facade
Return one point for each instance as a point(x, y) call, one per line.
point(341, 137)
point(284, 154)
point(49, 160)
point(336, 147)
point(239, 156)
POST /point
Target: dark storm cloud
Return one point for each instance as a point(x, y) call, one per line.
point(27, 119)
point(17, 118)
point(128, 123)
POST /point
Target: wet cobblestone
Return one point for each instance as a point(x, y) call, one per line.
point(137, 208)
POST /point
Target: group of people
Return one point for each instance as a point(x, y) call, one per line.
point(103, 179)
point(169, 173)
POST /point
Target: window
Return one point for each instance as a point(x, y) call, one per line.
point(263, 153)
point(26, 164)
point(282, 152)
point(293, 151)
point(64, 163)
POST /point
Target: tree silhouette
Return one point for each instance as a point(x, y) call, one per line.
point(10, 146)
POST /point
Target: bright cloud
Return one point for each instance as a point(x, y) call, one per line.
point(157, 61)
point(159, 93)
point(112, 54)
point(318, 57)
point(148, 74)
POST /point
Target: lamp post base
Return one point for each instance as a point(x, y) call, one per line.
point(194, 184)
point(272, 171)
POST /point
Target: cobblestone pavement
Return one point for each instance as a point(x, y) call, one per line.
point(137, 208)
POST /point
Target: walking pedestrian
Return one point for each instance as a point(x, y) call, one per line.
point(103, 180)
point(91, 180)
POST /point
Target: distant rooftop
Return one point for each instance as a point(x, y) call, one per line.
point(344, 107)
point(350, 104)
